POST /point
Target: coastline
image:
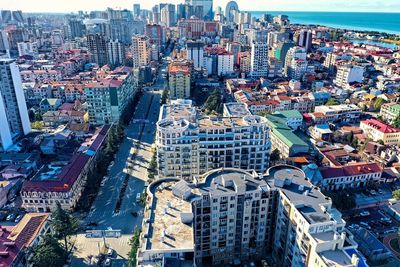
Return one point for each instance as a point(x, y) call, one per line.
point(386, 23)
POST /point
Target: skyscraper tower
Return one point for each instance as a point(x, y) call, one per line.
point(14, 117)
point(207, 6)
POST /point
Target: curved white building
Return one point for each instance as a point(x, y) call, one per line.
point(189, 145)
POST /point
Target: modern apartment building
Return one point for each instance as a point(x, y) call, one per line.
point(115, 53)
point(13, 111)
point(259, 59)
point(140, 51)
point(108, 97)
point(195, 53)
point(347, 74)
point(296, 63)
point(96, 44)
point(179, 81)
point(340, 113)
point(190, 144)
point(28, 49)
point(232, 216)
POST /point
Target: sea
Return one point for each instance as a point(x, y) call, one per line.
point(380, 22)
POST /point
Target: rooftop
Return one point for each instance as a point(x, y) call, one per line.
point(380, 126)
point(170, 226)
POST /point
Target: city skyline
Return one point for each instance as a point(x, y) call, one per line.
point(389, 6)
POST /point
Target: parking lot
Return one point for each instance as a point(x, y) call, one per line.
point(376, 220)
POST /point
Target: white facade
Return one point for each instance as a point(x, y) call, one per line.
point(259, 60)
point(115, 52)
point(225, 64)
point(28, 48)
point(348, 74)
point(14, 113)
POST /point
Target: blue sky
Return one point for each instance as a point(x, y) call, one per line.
point(261, 5)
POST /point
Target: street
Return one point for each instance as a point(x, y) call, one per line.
point(131, 162)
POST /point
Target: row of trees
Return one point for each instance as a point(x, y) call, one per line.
point(134, 242)
point(56, 246)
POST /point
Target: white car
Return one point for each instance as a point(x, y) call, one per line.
point(364, 213)
point(107, 262)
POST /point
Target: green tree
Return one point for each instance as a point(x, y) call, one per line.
point(164, 97)
point(38, 125)
point(396, 194)
point(378, 103)
point(65, 226)
point(48, 253)
point(396, 122)
point(332, 102)
point(213, 103)
point(275, 155)
point(380, 142)
point(134, 248)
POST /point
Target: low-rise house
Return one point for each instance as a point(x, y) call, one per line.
point(50, 104)
point(292, 118)
point(350, 176)
point(320, 132)
point(379, 131)
point(284, 140)
point(389, 112)
point(340, 113)
point(16, 241)
point(42, 194)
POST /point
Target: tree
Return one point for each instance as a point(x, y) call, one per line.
point(48, 253)
point(380, 141)
point(332, 102)
point(64, 226)
point(396, 122)
point(275, 155)
point(164, 97)
point(213, 103)
point(134, 248)
point(396, 194)
point(38, 125)
point(378, 103)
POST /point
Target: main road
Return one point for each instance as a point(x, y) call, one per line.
point(130, 168)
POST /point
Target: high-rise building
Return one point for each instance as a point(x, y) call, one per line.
point(4, 44)
point(140, 51)
point(205, 5)
point(136, 10)
point(296, 63)
point(168, 15)
point(189, 145)
point(347, 74)
point(13, 111)
point(96, 44)
point(108, 97)
point(304, 39)
point(115, 52)
point(195, 53)
point(28, 48)
point(179, 80)
point(232, 215)
point(259, 60)
point(76, 28)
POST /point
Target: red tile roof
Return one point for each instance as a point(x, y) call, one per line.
point(350, 170)
point(71, 172)
point(380, 126)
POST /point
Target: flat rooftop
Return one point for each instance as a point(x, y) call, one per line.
point(166, 229)
point(336, 258)
point(237, 109)
point(307, 198)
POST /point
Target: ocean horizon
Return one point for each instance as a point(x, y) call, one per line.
point(362, 21)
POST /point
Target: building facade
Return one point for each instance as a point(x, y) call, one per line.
point(13, 111)
point(189, 145)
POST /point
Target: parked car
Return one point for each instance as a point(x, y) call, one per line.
point(138, 197)
point(364, 213)
point(110, 252)
point(19, 217)
point(11, 217)
point(107, 262)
